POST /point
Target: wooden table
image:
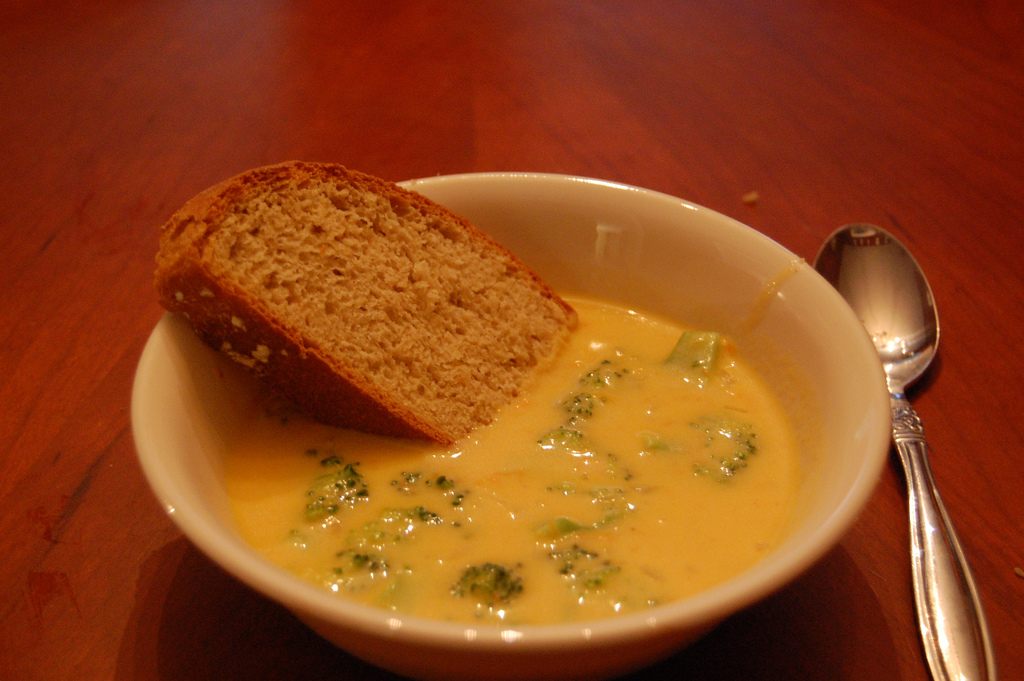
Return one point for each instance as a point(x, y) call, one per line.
point(113, 113)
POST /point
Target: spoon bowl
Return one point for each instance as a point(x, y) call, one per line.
point(889, 292)
point(887, 289)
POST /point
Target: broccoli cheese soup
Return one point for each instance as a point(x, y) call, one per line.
point(648, 463)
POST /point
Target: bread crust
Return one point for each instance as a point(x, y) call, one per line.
point(231, 319)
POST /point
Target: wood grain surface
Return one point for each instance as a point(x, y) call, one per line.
point(114, 112)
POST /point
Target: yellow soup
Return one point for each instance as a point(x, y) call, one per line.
point(645, 465)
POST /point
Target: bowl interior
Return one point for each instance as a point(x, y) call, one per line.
point(640, 248)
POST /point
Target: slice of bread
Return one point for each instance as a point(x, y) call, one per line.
point(368, 305)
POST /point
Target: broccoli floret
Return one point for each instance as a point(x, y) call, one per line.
point(611, 499)
point(447, 487)
point(405, 482)
point(410, 483)
point(490, 584)
point(392, 525)
point(604, 375)
point(728, 445)
point(356, 570)
point(358, 561)
point(581, 406)
point(558, 527)
point(583, 568)
point(424, 516)
point(330, 493)
point(567, 439)
point(570, 556)
point(696, 355)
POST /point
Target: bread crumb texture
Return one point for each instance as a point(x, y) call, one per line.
point(408, 303)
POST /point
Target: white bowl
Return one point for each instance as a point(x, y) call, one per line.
point(633, 246)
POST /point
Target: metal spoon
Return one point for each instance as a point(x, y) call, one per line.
point(885, 287)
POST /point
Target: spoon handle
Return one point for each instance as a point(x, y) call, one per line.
point(949, 612)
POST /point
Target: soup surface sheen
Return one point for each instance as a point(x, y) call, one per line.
point(618, 480)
